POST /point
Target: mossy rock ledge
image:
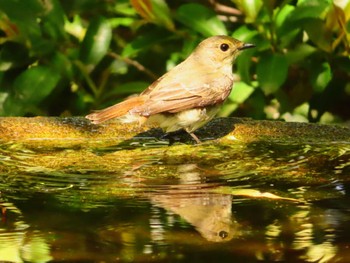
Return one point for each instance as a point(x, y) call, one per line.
point(78, 131)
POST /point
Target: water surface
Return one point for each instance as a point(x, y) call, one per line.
point(151, 202)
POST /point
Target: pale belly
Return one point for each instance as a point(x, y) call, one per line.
point(189, 120)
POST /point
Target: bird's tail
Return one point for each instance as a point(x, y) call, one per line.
point(115, 111)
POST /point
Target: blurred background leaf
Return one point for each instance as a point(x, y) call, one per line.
point(154, 11)
point(272, 71)
point(201, 19)
point(41, 80)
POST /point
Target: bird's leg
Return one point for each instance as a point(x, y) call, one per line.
point(198, 141)
point(180, 133)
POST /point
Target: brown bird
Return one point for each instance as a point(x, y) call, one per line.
point(189, 95)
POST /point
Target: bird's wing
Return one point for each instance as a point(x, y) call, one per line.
point(175, 96)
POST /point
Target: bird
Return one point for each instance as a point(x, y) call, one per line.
point(186, 97)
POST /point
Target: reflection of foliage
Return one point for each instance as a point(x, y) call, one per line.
point(70, 56)
point(16, 235)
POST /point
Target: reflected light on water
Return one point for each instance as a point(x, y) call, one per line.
point(216, 203)
point(156, 224)
point(17, 242)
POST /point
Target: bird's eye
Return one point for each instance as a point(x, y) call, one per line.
point(223, 234)
point(224, 47)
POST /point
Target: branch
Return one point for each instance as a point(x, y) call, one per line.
point(135, 64)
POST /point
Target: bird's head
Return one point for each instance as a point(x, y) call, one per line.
point(220, 50)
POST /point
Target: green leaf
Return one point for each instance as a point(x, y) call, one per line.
point(244, 60)
point(26, 10)
point(200, 19)
point(240, 92)
point(250, 9)
point(272, 71)
point(321, 75)
point(13, 55)
point(319, 34)
point(248, 35)
point(244, 33)
point(121, 21)
point(309, 15)
point(281, 16)
point(243, 65)
point(41, 47)
point(62, 64)
point(299, 53)
point(285, 28)
point(36, 83)
point(96, 42)
point(144, 41)
point(33, 19)
point(127, 88)
point(133, 87)
point(310, 9)
point(124, 8)
point(162, 15)
point(23, 16)
point(3, 97)
point(154, 11)
point(53, 20)
point(75, 27)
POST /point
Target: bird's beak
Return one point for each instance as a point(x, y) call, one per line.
point(245, 46)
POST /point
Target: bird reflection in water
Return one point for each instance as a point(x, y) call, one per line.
point(210, 213)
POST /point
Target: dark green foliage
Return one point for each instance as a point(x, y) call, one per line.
point(68, 57)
